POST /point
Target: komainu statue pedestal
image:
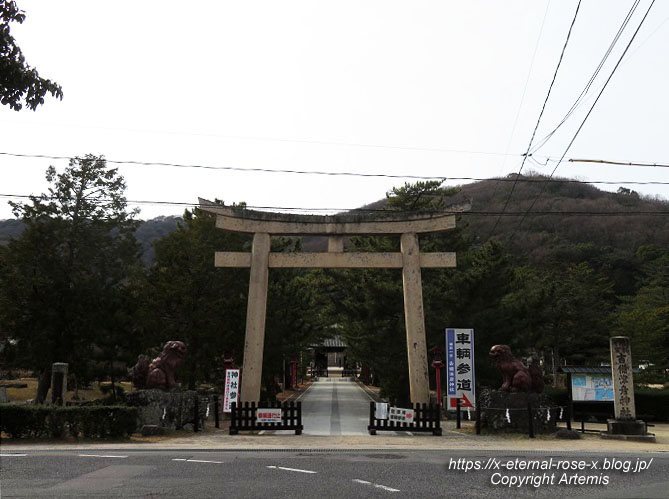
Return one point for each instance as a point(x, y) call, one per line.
point(172, 410)
point(508, 411)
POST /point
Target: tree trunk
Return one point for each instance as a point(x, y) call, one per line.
point(111, 377)
point(43, 385)
point(556, 366)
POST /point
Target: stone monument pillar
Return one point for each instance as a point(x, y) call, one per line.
point(625, 426)
point(58, 382)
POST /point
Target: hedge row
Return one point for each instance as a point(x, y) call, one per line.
point(33, 421)
point(651, 404)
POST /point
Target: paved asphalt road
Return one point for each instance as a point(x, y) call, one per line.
point(330, 407)
point(319, 474)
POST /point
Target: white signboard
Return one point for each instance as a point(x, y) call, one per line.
point(460, 368)
point(231, 390)
point(268, 415)
point(592, 387)
point(381, 410)
point(401, 415)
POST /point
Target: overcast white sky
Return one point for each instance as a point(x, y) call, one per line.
point(407, 88)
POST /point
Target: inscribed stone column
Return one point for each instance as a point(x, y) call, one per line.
point(625, 426)
point(58, 382)
point(414, 319)
point(255, 319)
point(623, 385)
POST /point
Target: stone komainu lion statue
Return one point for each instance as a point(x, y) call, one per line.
point(160, 372)
point(515, 376)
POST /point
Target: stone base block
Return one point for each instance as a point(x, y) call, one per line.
point(634, 430)
point(625, 427)
point(507, 411)
point(171, 410)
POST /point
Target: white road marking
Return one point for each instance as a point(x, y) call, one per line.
point(197, 461)
point(100, 455)
point(378, 486)
point(13, 455)
point(291, 469)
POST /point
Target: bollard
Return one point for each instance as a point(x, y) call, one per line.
point(530, 422)
point(196, 415)
point(457, 413)
point(569, 417)
point(217, 420)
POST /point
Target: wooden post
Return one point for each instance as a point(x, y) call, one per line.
point(217, 420)
point(196, 414)
point(457, 413)
point(478, 414)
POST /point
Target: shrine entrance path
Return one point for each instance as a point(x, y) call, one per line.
point(335, 406)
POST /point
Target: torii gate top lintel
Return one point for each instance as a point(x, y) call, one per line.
point(336, 227)
point(240, 219)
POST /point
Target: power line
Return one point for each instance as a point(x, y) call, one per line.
point(377, 210)
point(620, 163)
point(342, 174)
point(543, 108)
point(543, 187)
point(637, 48)
point(286, 140)
point(624, 24)
point(522, 97)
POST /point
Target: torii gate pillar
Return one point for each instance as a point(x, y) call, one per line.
point(256, 312)
point(414, 319)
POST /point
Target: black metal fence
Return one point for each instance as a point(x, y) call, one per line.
point(245, 417)
point(427, 420)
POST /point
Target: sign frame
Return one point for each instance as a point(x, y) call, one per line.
point(231, 389)
point(460, 368)
point(269, 415)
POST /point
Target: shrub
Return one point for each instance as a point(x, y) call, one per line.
point(651, 404)
point(20, 421)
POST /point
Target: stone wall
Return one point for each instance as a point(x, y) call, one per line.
point(172, 410)
point(506, 411)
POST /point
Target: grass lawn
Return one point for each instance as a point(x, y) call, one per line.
point(91, 393)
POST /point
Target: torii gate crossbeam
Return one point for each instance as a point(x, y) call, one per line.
point(260, 260)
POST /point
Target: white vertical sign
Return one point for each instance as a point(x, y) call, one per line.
point(231, 390)
point(460, 368)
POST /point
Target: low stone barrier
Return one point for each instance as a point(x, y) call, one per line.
point(172, 410)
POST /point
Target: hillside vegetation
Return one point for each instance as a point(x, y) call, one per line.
point(555, 287)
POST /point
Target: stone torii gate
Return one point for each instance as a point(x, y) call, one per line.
point(260, 260)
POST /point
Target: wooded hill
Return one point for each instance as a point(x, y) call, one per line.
point(575, 222)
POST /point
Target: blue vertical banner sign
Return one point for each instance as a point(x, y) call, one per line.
point(460, 368)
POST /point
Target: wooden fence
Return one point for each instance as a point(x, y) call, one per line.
point(244, 417)
point(427, 420)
